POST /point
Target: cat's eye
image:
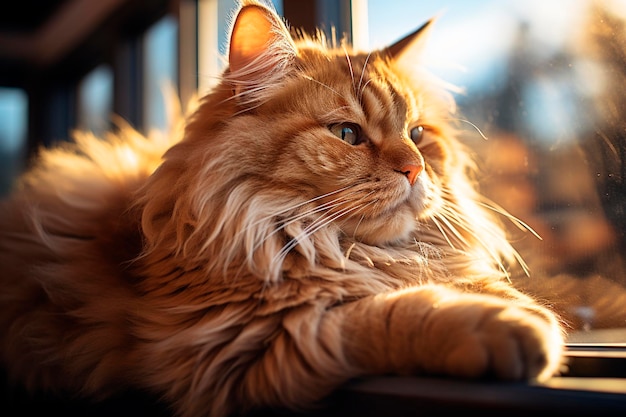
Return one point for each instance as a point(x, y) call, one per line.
point(348, 132)
point(417, 134)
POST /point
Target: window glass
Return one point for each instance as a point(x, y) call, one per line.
point(13, 128)
point(160, 71)
point(95, 100)
point(545, 83)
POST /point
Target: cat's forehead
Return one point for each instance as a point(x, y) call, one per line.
point(363, 85)
point(336, 62)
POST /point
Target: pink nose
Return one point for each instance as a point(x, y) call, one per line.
point(411, 171)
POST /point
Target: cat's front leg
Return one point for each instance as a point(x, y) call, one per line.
point(296, 357)
point(437, 330)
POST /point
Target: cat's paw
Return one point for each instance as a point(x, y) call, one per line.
point(483, 336)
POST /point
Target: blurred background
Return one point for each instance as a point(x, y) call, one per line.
point(545, 84)
point(542, 99)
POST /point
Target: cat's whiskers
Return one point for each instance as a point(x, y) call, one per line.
point(358, 224)
point(328, 116)
point(519, 223)
point(351, 70)
point(328, 209)
point(318, 224)
point(450, 218)
point(284, 222)
point(454, 219)
point(610, 145)
point(297, 216)
point(288, 220)
point(442, 230)
point(367, 58)
point(361, 207)
point(488, 248)
point(362, 90)
point(468, 226)
point(296, 206)
point(473, 125)
point(309, 78)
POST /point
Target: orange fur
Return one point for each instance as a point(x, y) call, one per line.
point(252, 258)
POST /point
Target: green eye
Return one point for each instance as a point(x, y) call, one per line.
point(348, 132)
point(417, 134)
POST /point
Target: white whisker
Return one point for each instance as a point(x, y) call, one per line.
point(449, 217)
point(290, 219)
point(351, 70)
point(299, 216)
point(442, 231)
point(358, 224)
point(349, 251)
point(515, 220)
point(480, 132)
point(308, 231)
point(296, 206)
point(328, 115)
point(316, 225)
point(453, 217)
point(367, 58)
point(323, 85)
point(365, 85)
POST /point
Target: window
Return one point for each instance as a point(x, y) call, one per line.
point(543, 108)
point(13, 124)
point(543, 82)
point(160, 71)
point(212, 32)
point(95, 100)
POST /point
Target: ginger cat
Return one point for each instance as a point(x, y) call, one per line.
point(313, 220)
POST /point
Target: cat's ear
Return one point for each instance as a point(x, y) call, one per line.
point(411, 46)
point(261, 47)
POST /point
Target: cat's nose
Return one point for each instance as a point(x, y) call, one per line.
point(411, 171)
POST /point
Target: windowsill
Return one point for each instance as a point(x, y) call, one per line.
point(612, 337)
point(403, 396)
point(594, 385)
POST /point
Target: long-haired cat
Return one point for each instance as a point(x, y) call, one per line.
point(314, 220)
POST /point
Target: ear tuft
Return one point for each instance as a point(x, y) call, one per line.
point(411, 45)
point(252, 34)
point(260, 46)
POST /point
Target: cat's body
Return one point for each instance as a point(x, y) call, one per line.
point(315, 223)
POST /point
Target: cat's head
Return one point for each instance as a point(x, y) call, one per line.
point(300, 140)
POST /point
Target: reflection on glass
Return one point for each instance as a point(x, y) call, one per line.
point(13, 125)
point(160, 71)
point(95, 100)
point(546, 83)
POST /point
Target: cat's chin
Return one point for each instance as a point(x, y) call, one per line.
point(385, 229)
